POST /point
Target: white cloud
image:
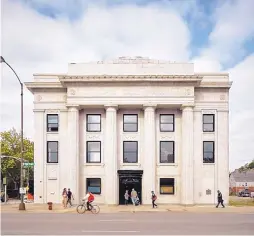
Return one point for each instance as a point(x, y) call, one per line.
point(33, 43)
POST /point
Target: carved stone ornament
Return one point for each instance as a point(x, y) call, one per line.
point(188, 92)
point(64, 97)
point(38, 98)
point(222, 97)
point(72, 92)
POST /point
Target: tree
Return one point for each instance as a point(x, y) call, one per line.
point(247, 166)
point(11, 147)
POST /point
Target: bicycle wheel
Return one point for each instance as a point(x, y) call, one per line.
point(95, 209)
point(81, 209)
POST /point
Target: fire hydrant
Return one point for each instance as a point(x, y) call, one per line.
point(50, 205)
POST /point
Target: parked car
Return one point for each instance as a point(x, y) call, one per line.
point(244, 193)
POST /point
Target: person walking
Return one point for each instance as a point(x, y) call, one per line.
point(154, 198)
point(69, 197)
point(134, 196)
point(126, 197)
point(64, 195)
point(220, 199)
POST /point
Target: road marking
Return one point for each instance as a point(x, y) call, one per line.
point(109, 231)
point(117, 220)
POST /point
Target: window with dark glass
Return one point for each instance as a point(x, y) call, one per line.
point(208, 123)
point(167, 186)
point(130, 152)
point(167, 152)
point(93, 123)
point(208, 152)
point(93, 185)
point(93, 151)
point(167, 123)
point(52, 152)
point(130, 123)
point(52, 122)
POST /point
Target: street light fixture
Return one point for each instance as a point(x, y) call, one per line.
point(22, 204)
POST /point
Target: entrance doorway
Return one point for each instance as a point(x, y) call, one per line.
point(128, 180)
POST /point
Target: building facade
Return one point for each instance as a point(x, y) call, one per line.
point(111, 126)
point(241, 180)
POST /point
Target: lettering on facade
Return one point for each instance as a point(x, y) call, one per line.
point(129, 137)
point(222, 97)
point(93, 137)
point(167, 137)
point(38, 98)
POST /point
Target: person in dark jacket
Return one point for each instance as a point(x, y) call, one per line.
point(154, 198)
point(220, 199)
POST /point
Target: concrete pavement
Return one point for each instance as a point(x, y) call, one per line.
point(141, 223)
point(57, 208)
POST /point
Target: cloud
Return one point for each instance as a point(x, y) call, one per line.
point(43, 36)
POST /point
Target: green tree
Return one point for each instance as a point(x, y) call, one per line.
point(11, 147)
point(247, 166)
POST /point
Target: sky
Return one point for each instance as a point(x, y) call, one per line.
point(43, 36)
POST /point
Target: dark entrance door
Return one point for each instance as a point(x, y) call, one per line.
point(129, 179)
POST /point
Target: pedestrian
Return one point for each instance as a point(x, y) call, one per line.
point(134, 196)
point(220, 199)
point(126, 197)
point(154, 198)
point(64, 195)
point(69, 197)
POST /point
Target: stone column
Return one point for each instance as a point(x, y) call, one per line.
point(73, 158)
point(149, 176)
point(40, 154)
point(110, 155)
point(222, 159)
point(187, 180)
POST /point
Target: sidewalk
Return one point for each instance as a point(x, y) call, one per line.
point(57, 208)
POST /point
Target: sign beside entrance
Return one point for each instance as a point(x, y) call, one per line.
point(22, 190)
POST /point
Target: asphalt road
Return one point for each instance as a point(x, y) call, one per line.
point(168, 223)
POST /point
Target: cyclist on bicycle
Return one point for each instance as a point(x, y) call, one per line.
point(90, 198)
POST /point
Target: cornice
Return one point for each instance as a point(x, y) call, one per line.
point(113, 78)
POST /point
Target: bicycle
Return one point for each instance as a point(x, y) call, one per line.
point(82, 208)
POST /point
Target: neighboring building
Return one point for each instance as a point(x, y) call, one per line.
point(132, 122)
point(241, 180)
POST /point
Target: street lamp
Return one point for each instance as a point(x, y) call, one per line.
point(22, 204)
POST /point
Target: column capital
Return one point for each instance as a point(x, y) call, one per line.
point(111, 107)
point(187, 107)
point(73, 107)
point(149, 106)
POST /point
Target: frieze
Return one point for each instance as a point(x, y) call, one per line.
point(137, 91)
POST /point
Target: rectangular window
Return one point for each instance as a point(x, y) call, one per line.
point(93, 185)
point(208, 123)
point(93, 152)
point(130, 152)
point(52, 152)
point(208, 152)
point(93, 123)
point(52, 123)
point(167, 123)
point(167, 186)
point(167, 152)
point(130, 123)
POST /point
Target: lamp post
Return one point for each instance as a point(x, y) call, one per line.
point(22, 204)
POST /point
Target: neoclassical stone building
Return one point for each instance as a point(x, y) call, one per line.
point(110, 126)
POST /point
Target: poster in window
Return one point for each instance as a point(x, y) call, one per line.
point(167, 190)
